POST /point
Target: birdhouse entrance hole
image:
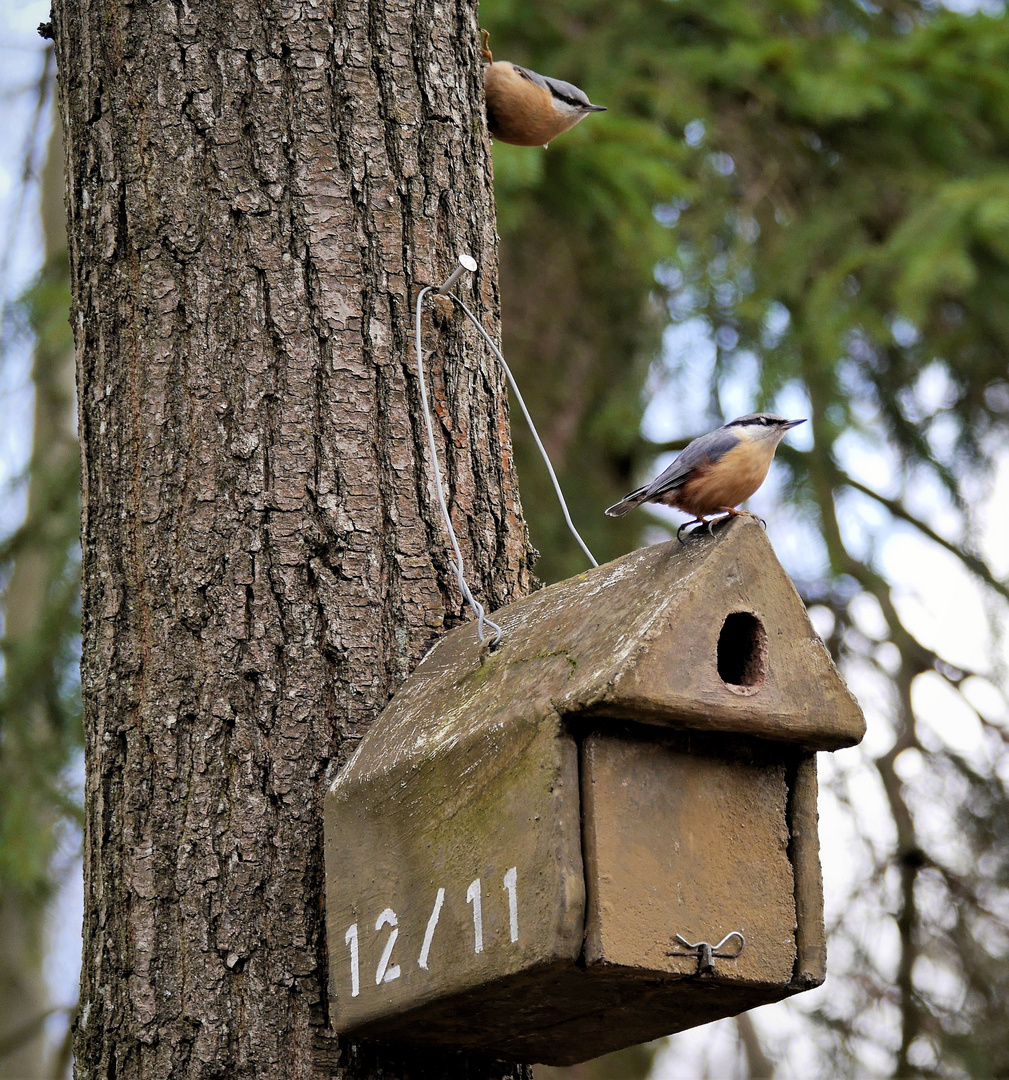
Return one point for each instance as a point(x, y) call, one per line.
point(742, 651)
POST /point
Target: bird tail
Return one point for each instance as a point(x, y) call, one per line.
point(628, 502)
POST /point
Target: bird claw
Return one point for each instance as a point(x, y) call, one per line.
point(729, 513)
point(687, 524)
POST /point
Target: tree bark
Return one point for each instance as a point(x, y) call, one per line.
point(256, 192)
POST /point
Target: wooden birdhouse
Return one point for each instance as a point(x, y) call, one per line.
point(600, 833)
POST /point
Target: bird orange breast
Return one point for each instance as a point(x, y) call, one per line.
point(519, 111)
point(726, 482)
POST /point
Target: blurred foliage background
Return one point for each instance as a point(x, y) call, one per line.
point(801, 205)
point(40, 725)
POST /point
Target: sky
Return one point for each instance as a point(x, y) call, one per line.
point(940, 601)
point(21, 248)
point(21, 52)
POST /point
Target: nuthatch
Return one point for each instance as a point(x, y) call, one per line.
point(716, 472)
point(526, 109)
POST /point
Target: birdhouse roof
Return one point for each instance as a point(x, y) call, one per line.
point(708, 635)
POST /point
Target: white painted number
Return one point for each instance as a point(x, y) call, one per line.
point(355, 966)
point(385, 972)
point(510, 887)
point(473, 897)
point(432, 922)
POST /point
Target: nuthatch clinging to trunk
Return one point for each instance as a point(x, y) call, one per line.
point(716, 472)
point(527, 109)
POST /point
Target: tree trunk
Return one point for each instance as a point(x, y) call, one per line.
point(256, 192)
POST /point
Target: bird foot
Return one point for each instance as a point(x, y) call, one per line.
point(729, 512)
point(732, 512)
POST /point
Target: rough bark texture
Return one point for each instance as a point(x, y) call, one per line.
point(256, 191)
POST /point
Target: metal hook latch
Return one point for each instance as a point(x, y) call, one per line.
point(706, 953)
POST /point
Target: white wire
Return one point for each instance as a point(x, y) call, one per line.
point(474, 604)
point(532, 427)
point(457, 566)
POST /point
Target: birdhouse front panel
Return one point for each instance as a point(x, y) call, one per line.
point(602, 832)
point(681, 839)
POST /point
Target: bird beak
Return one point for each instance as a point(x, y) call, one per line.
point(793, 423)
point(594, 108)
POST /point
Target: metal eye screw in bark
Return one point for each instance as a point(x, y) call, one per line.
point(706, 953)
point(466, 262)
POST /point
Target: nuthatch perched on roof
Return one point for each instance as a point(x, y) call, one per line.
point(716, 472)
point(527, 109)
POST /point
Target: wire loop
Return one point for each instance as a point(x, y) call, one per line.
point(457, 567)
point(457, 563)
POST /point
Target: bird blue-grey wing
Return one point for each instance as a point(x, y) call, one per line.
point(532, 76)
point(559, 87)
point(567, 90)
point(704, 450)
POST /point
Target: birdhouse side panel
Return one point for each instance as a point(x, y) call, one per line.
point(455, 872)
point(810, 935)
